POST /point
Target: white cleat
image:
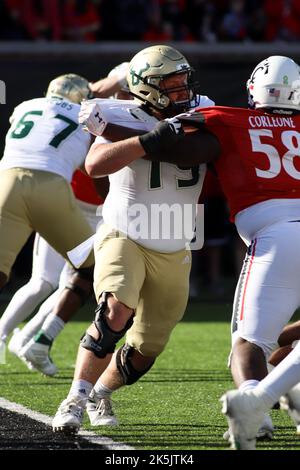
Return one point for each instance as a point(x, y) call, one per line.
point(291, 403)
point(2, 352)
point(245, 415)
point(38, 355)
point(100, 411)
point(17, 342)
point(265, 431)
point(69, 415)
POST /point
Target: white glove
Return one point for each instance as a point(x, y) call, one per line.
point(92, 117)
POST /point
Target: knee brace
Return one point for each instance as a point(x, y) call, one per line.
point(129, 374)
point(85, 274)
point(107, 337)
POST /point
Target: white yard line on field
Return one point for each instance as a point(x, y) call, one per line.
point(93, 438)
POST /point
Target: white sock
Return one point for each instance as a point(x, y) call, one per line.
point(52, 326)
point(248, 385)
point(101, 390)
point(81, 389)
point(22, 304)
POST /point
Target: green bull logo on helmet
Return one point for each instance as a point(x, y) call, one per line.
point(136, 76)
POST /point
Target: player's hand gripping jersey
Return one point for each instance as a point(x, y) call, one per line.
point(260, 154)
point(45, 135)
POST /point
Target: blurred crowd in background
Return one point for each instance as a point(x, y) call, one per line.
point(150, 20)
point(206, 21)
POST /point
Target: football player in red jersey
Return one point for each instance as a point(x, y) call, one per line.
point(259, 172)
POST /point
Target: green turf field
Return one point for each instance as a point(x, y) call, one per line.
point(175, 406)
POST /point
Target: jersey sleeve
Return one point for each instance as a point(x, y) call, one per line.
point(101, 140)
point(14, 113)
point(205, 102)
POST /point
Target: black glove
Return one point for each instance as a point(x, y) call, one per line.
point(165, 134)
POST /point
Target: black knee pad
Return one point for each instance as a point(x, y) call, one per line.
point(129, 374)
point(108, 338)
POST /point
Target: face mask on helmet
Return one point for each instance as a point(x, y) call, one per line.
point(275, 84)
point(71, 87)
point(148, 71)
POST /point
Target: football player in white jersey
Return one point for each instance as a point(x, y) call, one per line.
point(44, 145)
point(47, 268)
point(141, 277)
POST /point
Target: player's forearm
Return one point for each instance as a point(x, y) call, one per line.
point(114, 132)
point(196, 148)
point(105, 159)
point(105, 87)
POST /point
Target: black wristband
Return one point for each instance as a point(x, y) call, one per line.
point(160, 138)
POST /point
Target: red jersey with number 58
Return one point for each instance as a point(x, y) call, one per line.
point(260, 157)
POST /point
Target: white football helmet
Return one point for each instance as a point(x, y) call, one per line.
point(149, 67)
point(275, 83)
point(71, 87)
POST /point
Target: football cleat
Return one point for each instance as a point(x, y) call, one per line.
point(17, 342)
point(69, 415)
point(245, 415)
point(100, 411)
point(2, 351)
point(291, 403)
point(38, 355)
point(265, 432)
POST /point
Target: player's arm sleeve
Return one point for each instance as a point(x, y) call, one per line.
point(13, 116)
point(197, 147)
point(206, 102)
point(114, 132)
